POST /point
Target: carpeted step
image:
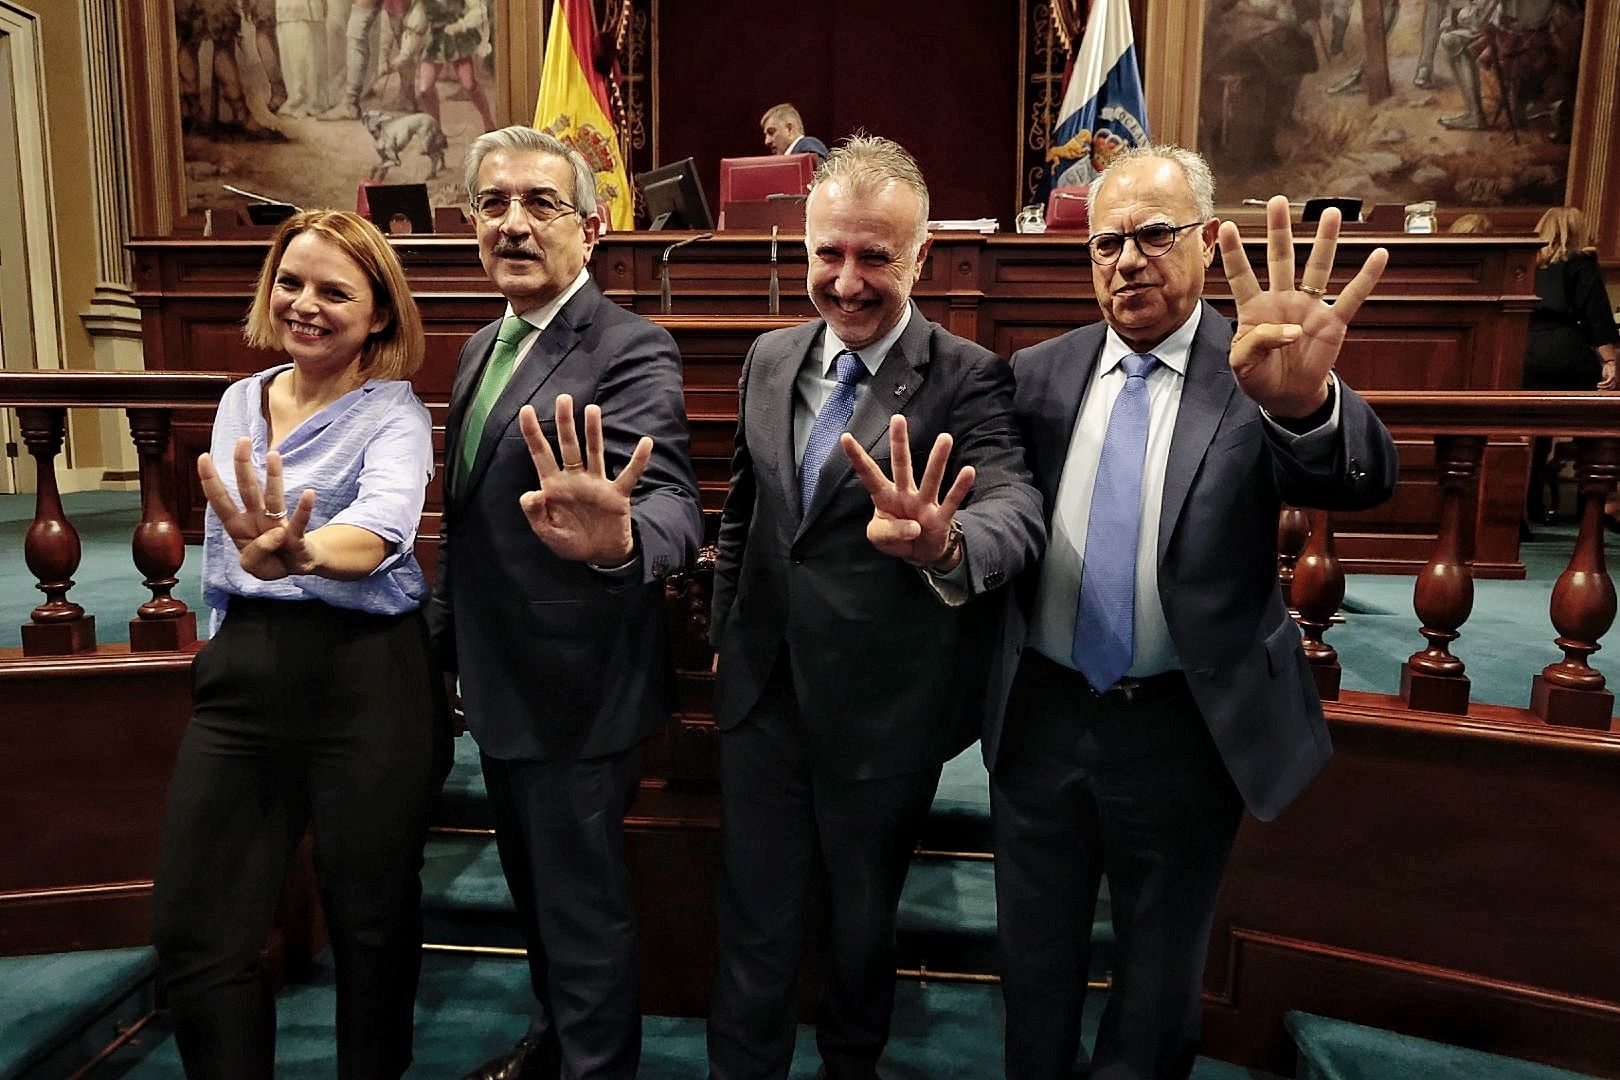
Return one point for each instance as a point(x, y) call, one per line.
point(947, 920)
point(958, 822)
point(59, 1010)
point(1331, 1049)
point(464, 896)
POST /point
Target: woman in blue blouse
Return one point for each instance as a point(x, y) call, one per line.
point(313, 704)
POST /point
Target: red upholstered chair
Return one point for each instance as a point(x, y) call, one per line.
point(1066, 208)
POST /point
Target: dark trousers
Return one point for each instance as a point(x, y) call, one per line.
point(559, 826)
point(1085, 788)
point(305, 716)
point(788, 818)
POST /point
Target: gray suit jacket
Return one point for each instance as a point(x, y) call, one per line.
point(555, 658)
point(889, 679)
point(1225, 481)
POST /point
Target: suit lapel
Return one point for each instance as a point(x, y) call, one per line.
point(548, 351)
point(771, 400)
point(1204, 400)
point(894, 384)
point(1069, 379)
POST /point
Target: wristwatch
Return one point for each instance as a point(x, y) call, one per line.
point(953, 544)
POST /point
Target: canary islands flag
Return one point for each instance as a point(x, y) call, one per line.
point(1102, 112)
point(575, 107)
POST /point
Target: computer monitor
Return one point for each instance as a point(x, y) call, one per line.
point(674, 197)
point(1349, 209)
point(398, 209)
point(751, 179)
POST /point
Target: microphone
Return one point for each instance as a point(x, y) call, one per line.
point(234, 190)
point(663, 272)
point(774, 307)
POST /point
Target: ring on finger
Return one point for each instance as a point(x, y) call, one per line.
point(277, 516)
point(1310, 290)
point(573, 466)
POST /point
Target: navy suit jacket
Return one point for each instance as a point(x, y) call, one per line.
point(1225, 481)
point(557, 659)
point(888, 679)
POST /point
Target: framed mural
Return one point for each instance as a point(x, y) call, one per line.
point(1499, 106)
point(303, 100)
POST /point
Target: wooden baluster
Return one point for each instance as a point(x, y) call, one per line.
point(1318, 592)
point(58, 627)
point(1443, 596)
point(1572, 692)
point(1292, 529)
point(163, 622)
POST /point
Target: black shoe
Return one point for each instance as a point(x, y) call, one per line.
point(528, 1060)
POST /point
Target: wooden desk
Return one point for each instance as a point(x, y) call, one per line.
point(1450, 314)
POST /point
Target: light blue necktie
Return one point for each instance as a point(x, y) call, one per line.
point(830, 423)
point(1105, 615)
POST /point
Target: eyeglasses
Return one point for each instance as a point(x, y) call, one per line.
point(1151, 240)
point(542, 207)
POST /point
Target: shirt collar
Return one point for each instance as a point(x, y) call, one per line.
point(541, 317)
point(872, 355)
point(1173, 352)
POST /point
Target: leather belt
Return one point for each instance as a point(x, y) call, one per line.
point(1129, 692)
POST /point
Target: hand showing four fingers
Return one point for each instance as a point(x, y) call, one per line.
point(1288, 339)
point(909, 520)
point(577, 511)
point(271, 538)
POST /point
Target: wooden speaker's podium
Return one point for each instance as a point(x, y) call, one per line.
point(758, 215)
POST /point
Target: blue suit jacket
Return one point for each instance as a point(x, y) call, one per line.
point(1225, 480)
point(555, 658)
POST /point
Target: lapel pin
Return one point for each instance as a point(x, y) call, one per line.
point(901, 389)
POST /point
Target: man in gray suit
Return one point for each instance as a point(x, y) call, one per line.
point(1163, 687)
point(859, 613)
point(548, 602)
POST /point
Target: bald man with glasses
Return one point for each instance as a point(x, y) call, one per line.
point(1162, 687)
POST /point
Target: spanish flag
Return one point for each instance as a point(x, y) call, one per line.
point(574, 106)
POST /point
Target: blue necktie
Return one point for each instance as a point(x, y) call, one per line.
point(830, 423)
point(1105, 615)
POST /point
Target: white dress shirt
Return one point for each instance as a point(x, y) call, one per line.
point(1052, 627)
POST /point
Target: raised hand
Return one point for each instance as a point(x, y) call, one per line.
point(910, 521)
point(578, 512)
point(1288, 338)
point(271, 539)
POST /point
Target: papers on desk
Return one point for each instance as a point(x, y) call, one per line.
point(978, 225)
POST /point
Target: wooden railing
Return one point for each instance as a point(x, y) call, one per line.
point(1568, 692)
point(60, 627)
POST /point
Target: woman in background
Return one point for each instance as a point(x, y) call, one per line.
point(1572, 340)
point(313, 704)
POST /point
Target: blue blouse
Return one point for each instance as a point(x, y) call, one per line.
point(369, 457)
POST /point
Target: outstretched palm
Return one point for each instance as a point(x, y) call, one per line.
point(909, 520)
point(577, 511)
point(1288, 338)
point(269, 537)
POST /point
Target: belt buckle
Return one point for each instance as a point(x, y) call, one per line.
point(1127, 690)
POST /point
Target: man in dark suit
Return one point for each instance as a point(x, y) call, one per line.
point(1163, 687)
point(783, 129)
point(547, 602)
point(858, 617)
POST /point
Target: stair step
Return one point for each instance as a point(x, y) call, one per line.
point(1331, 1049)
point(58, 1010)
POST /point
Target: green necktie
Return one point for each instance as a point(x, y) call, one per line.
point(497, 373)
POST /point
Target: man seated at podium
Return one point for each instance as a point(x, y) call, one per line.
point(784, 133)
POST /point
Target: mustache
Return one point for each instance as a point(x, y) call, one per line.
point(516, 249)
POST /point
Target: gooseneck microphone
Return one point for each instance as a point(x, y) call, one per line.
point(663, 271)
